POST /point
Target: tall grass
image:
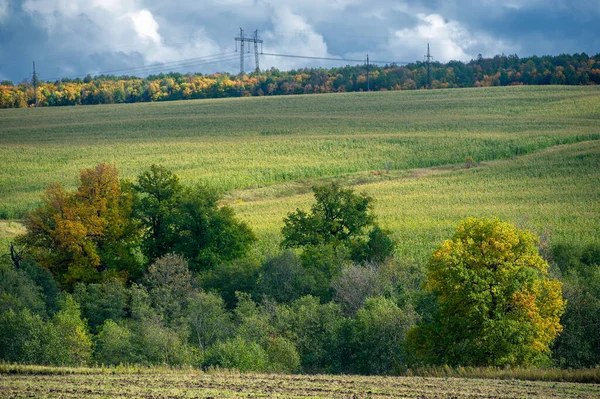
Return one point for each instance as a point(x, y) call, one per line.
point(590, 375)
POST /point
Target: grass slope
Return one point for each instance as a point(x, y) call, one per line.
point(555, 192)
point(253, 142)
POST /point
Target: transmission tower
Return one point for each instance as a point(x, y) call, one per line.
point(428, 57)
point(242, 38)
point(35, 82)
point(368, 83)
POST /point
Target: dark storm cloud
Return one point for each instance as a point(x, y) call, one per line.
point(76, 37)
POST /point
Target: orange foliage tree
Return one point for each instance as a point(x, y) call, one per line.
point(82, 235)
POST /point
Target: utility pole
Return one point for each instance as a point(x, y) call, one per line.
point(428, 57)
point(251, 39)
point(34, 80)
point(368, 83)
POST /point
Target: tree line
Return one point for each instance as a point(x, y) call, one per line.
point(153, 272)
point(501, 70)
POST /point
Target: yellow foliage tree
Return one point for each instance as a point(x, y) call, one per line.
point(496, 304)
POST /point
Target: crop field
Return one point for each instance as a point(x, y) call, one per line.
point(196, 384)
point(407, 149)
point(255, 142)
point(555, 192)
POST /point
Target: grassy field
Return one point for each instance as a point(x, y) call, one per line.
point(267, 152)
point(555, 192)
point(255, 142)
point(150, 383)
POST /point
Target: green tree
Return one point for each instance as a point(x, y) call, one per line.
point(283, 278)
point(209, 320)
point(76, 342)
point(338, 216)
point(159, 194)
point(169, 284)
point(578, 346)
point(100, 302)
point(379, 336)
point(114, 344)
point(317, 331)
point(497, 305)
point(188, 222)
point(240, 354)
point(208, 234)
point(26, 338)
point(18, 290)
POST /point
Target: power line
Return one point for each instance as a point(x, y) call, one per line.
point(335, 59)
point(35, 85)
point(368, 85)
point(162, 66)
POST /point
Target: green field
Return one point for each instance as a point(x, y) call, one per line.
point(555, 192)
point(266, 152)
point(149, 383)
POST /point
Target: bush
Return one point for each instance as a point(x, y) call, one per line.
point(237, 353)
point(379, 336)
point(283, 356)
point(114, 344)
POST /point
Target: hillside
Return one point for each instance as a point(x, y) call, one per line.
point(256, 142)
point(116, 273)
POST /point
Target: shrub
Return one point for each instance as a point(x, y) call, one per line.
point(237, 353)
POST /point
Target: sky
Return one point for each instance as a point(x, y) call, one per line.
point(71, 38)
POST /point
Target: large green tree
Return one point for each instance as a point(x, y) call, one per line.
point(339, 217)
point(187, 221)
point(497, 305)
point(159, 193)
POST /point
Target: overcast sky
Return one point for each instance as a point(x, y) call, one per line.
point(69, 38)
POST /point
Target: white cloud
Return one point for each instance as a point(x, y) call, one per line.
point(145, 25)
point(114, 26)
point(449, 40)
point(292, 34)
point(4, 4)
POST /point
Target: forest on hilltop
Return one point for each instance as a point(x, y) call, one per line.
point(501, 70)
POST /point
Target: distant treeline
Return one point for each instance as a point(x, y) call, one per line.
point(576, 69)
